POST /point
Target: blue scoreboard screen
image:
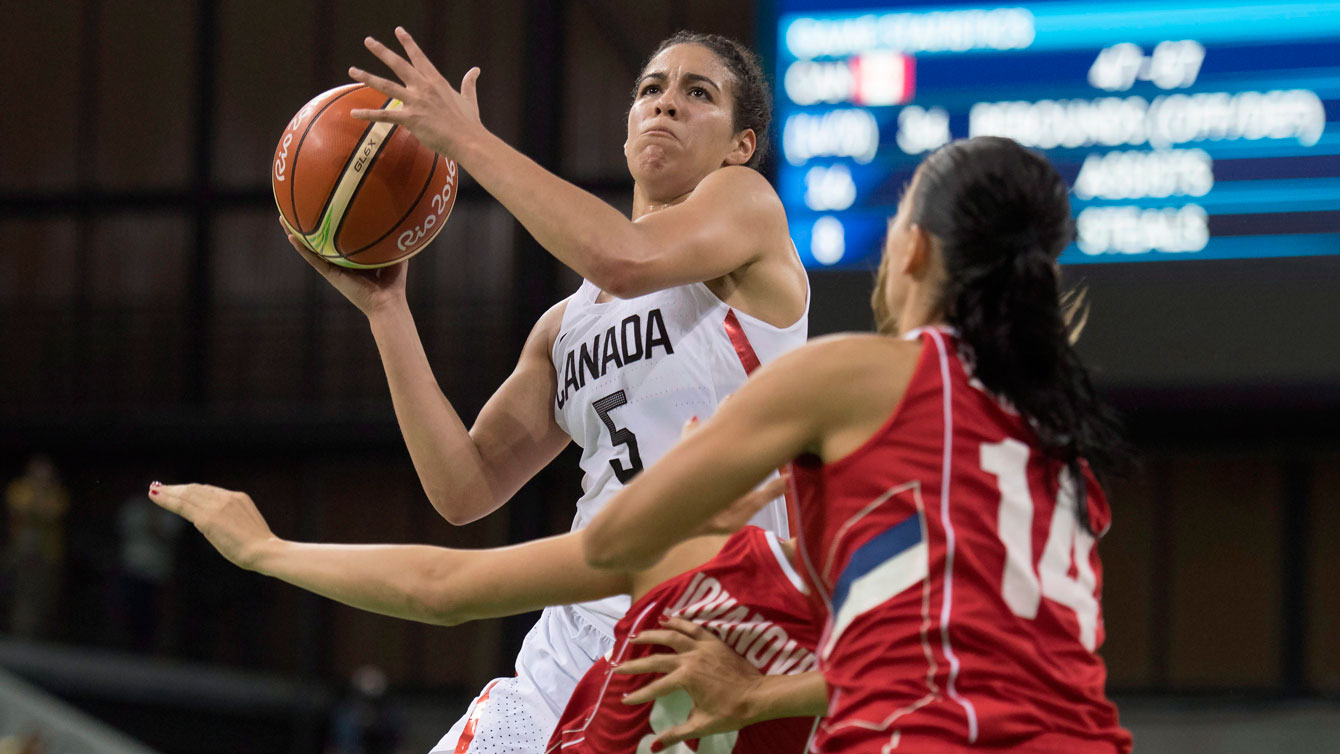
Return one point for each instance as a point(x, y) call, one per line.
point(1187, 130)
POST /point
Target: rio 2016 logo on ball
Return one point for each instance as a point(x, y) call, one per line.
point(358, 193)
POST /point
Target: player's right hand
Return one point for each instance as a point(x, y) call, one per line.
point(369, 290)
point(229, 520)
point(716, 678)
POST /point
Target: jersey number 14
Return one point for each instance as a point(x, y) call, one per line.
point(1022, 586)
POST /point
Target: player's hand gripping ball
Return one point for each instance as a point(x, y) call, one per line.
point(359, 194)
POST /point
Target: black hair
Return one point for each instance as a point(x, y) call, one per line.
point(752, 96)
point(1001, 216)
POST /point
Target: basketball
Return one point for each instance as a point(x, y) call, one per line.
point(360, 194)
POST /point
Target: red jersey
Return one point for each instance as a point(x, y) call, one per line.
point(752, 599)
point(962, 594)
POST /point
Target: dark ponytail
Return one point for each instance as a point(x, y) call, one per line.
point(1001, 216)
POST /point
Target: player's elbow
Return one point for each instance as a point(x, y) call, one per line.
point(619, 270)
point(440, 607)
point(617, 277)
point(455, 508)
point(437, 599)
point(458, 518)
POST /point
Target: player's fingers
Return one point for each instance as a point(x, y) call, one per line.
point(185, 500)
point(657, 663)
point(383, 85)
point(773, 488)
point(469, 88)
point(416, 56)
point(686, 627)
point(389, 115)
point(167, 496)
point(686, 731)
point(398, 65)
point(673, 639)
point(652, 691)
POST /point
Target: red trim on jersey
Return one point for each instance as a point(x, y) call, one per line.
point(749, 360)
point(743, 348)
point(468, 734)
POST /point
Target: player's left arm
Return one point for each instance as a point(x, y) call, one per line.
point(416, 582)
point(780, 413)
point(732, 219)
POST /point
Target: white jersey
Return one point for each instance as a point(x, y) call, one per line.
point(632, 371)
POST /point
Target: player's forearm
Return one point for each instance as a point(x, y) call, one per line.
point(447, 461)
point(777, 696)
point(583, 232)
point(402, 581)
point(437, 584)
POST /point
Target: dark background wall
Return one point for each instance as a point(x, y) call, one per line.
point(155, 325)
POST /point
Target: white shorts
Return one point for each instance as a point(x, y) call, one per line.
point(518, 715)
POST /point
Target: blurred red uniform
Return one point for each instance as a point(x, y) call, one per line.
point(751, 598)
point(962, 597)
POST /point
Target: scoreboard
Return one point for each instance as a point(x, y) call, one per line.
point(1187, 129)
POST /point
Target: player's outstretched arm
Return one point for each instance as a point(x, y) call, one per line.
point(824, 398)
point(733, 218)
point(415, 582)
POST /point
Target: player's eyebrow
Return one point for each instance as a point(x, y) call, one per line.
point(660, 77)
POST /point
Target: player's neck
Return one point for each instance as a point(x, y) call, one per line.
point(645, 204)
point(921, 309)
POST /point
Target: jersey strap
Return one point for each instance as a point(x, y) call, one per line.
point(749, 360)
point(743, 348)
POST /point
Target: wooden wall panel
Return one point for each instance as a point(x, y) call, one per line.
point(1129, 559)
point(267, 67)
point(146, 94)
point(140, 259)
point(40, 258)
point(1225, 625)
point(1323, 592)
point(40, 98)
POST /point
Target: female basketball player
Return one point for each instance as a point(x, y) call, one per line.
point(677, 304)
point(938, 472)
point(743, 588)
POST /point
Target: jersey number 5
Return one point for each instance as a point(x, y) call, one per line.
point(1022, 586)
point(619, 436)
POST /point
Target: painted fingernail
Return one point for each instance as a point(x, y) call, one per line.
point(656, 746)
point(663, 618)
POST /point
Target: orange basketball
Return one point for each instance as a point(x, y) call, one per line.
point(358, 193)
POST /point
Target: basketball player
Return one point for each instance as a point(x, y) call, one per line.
point(742, 588)
point(947, 509)
point(678, 303)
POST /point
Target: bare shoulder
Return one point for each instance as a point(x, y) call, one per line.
point(738, 177)
point(740, 188)
point(853, 382)
point(851, 353)
point(547, 326)
point(838, 379)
